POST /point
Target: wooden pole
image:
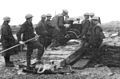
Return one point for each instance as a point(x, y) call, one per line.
point(17, 45)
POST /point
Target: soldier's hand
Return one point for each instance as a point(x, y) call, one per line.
point(36, 36)
point(21, 42)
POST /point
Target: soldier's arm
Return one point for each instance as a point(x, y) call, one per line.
point(38, 28)
point(21, 30)
point(100, 33)
point(85, 28)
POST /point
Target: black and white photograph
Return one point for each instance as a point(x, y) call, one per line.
point(59, 39)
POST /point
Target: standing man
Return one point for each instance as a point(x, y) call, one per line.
point(61, 21)
point(42, 31)
point(8, 41)
point(28, 32)
point(85, 27)
point(48, 23)
point(50, 29)
point(58, 21)
point(96, 39)
point(84, 34)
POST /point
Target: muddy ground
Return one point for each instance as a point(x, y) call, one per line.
point(96, 72)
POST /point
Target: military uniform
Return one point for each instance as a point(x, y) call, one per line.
point(42, 31)
point(85, 28)
point(61, 23)
point(59, 34)
point(97, 36)
point(8, 41)
point(50, 29)
point(28, 32)
point(95, 40)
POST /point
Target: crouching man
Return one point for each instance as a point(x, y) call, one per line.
point(96, 33)
point(95, 39)
point(28, 32)
point(8, 41)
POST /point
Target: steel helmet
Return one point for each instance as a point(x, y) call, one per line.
point(65, 11)
point(86, 14)
point(42, 16)
point(28, 16)
point(7, 18)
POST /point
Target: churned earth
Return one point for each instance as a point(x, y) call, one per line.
point(96, 72)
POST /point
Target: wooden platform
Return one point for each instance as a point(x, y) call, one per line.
point(62, 54)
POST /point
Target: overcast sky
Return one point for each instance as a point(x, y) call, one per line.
point(108, 10)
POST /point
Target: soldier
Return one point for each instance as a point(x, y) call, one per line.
point(50, 29)
point(61, 21)
point(28, 32)
point(8, 41)
point(58, 22)
point(42, 30)
point(49, 26)
point(85, 27)
point(97, 35)
point(95, 40)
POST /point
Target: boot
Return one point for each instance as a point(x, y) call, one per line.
point(8, 63)
point(28, 62)
point(11, 62)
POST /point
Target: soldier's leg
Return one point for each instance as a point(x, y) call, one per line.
point(95, 53)
point(48, 42)
point(28, 55)
point(8, 63)
point(40, 48)
point(41, 41)
point(7, 58)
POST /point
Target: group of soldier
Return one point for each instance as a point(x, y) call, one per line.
point(50, 31)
